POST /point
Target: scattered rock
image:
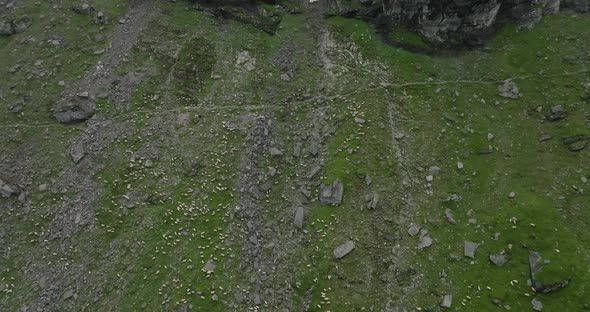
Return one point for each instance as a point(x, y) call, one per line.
point(275, 151)
point(545, 137)
point(449, 216)
point(6, 190)
point(68, 294)
point(343, 249)
point(12, 27)
point(575, 139)
point(83, 9)
point(557, 113)
point(488, 150)
point(149, 163)
point(372, 200)
point(512, 195)
point(469, 249)
point(331, 194)
point(424, 242)
point(509, 90)
point(43, 187)
point(447, 301)
point(305, 192)
point(6, 28)
point(299, 217)
point(414, 229)
point(77, 152)
point(209, 267)
point(73, 116)
point(577, 147)
point(535, 263)
point(434, 170)
point(285, 77)
point(537, 305)
point(498, 260)
point(246, 61)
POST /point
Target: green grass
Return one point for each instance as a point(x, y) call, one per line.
point(150, 256)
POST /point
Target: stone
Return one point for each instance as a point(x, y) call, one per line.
point(372, 200)
point(460, 165)
point(512, 195)
point(73, 116)
point(575, 139)
point(498, 260)
point(545, 137)
point(149, 163)
point(22, 24)
point(557, 112)
point(359, 121)
point(246, 61)
point(209, 267)
point(275, 151)
point(469, 249)
point(447, 301)
point(306, 192)
point(285, 77)
point(429, 178)
point(68, 294)
point(343, 250)
point(434, 170)
point(297, 150)
point(77, 152)
point(331, 194)
point(509, 90)
point(214, 297)
point(83, 9)
point(425, 241)
point(6, 28)
point(537, 305)
point(535, 262)
point(43, 187)
point(414, 229)
point(449, 216)
point(6, 190)
point(14, 69)
point(299, 217)
point(490, 137)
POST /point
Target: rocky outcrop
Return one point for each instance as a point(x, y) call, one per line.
point(456, 22)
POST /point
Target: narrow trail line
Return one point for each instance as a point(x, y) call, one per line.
point(313, 99)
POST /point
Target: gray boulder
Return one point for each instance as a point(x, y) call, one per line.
point(498, 260)
point(73, 116)
point(6, 190)
point(447, 301)
point(299, 217)
point(469, 249)
point(331, 194)
point(509, 90)
point(343, 250)
point(6, 28)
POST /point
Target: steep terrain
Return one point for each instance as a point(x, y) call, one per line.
point(198, 156)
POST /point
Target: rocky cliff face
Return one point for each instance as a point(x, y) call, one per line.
point(458, 21)
point(452, 22)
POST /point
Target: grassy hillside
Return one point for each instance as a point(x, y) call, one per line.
point(210, 133)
